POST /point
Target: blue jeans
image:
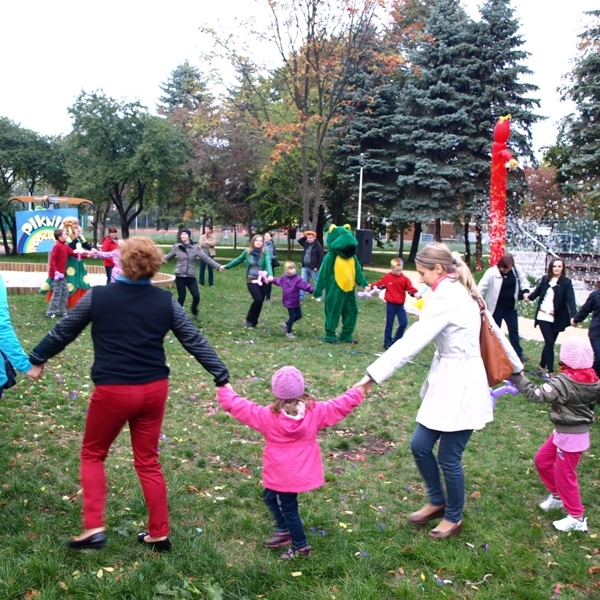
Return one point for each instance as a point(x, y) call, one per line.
point(295, 314)
point(452, 446)
point(391, 312)
point(284, 508)
point(307, 275)
point(203, 267)
point(511, 317)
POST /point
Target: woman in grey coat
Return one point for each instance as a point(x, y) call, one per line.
point(502, 287)
point(186, 252)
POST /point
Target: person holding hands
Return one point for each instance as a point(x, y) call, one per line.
point(292, 461)
point(572, 393)
point(291, 284)
point(396, 286)
point(256, 259)
point(186, 252)
point(455, 396)
point(501, 287)
point(556, 306)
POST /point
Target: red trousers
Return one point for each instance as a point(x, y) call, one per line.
point(558, 470)
point(111, 406)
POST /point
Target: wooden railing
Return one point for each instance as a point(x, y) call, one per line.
point(160, 279)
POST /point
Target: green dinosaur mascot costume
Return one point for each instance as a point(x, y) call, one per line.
point(339, 273)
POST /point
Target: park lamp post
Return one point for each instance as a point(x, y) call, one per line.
point(361, 162)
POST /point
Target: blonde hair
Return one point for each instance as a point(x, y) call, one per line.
point(452, 263)
point(141, 258)
point(288, 264)
point(264, 246)
point(280, 405)
point(397, 262)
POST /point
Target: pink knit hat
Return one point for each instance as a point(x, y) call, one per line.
point(287, 383)
point(577, 353)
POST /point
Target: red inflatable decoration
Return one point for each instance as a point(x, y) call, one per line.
point(500, 156)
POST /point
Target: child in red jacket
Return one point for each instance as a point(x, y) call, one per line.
point(396, 286)
point(57, 272)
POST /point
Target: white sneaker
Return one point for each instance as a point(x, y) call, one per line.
point(319, 299)
point(291, 336)
point(550, 503)
point(570, 523)
point(283, 327)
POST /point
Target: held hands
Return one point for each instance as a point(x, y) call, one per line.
point(364, 385)
point(526, 298)
point(35, 372)
point(222, 268)
point(574, 324)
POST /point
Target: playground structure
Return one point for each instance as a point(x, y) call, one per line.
point(51, 201)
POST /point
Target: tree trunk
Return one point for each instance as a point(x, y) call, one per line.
point(478, 243)
point(414, 247)
point(4, 236)
point(467, 242)
point(304, 191)
point(401, 245)
point(437, 235)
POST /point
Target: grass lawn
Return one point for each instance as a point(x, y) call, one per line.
point(363, 548)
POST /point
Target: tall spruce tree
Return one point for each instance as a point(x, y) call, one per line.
point(443, 122)
point(366, 126)
point(577, 153)
point(504, 88)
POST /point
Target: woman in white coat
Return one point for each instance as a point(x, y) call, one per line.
point(501, 287)
point(455, 396)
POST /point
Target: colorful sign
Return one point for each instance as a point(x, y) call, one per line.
point(35, 228)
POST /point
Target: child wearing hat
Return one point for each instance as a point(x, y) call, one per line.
point(573, 393)
point(292, 461)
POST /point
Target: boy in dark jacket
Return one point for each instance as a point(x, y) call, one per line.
point(573, 393)
point(312, 258)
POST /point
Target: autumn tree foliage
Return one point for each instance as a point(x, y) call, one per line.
point(543, 201)
point(318, 45)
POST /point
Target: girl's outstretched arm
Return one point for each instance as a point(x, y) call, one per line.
point(333, 411)
point(243, 410)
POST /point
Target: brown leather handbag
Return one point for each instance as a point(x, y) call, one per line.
point(497, 364)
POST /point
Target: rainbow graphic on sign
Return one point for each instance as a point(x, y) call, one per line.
point(35, 228)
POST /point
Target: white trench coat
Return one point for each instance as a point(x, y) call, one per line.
point(455, 395)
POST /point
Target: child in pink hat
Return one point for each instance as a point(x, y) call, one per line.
point(573, 393)
point(292, 461)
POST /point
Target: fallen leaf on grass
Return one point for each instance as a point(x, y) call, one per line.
point(296, 573)
point(593, 570)
point(475, 495)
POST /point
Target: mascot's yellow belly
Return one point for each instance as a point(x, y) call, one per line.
point(344, 271)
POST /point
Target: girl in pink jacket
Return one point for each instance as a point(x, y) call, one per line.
point(292, 460)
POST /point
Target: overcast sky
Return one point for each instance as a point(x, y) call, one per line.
point(52, 50)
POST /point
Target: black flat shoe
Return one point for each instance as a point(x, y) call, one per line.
point(161, 546)
point(96, 541)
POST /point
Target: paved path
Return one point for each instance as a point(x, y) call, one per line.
point(526, 329)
